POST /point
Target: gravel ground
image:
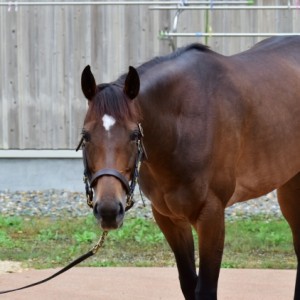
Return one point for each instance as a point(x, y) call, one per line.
point(60, 203)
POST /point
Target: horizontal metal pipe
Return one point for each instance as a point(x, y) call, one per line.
point(227, 7)
point(67, 3)
point(223, 34)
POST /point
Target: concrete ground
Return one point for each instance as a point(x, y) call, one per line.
point(145, 284)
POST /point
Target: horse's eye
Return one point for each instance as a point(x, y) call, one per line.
point(134, 135)
point(86, 136)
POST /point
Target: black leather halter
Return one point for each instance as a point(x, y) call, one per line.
point(90, 178)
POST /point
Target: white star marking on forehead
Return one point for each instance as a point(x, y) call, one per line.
point(108, 122)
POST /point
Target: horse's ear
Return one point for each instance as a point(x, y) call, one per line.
point(132, 83)
point(88, 83)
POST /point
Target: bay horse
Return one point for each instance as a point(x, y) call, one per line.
point(217, 130)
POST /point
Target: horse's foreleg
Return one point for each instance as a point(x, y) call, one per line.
point(210, 229)
point(180, 239)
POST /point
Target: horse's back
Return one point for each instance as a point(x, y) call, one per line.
point(276, 46)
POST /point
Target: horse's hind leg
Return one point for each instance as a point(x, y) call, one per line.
point(179, 236)
point(289, 201)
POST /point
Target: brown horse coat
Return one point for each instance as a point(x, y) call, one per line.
point(218, 130)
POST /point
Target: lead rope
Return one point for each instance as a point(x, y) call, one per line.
point(75, 262)
point(100, 243)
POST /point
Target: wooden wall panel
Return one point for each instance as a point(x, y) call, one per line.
point(44, 49)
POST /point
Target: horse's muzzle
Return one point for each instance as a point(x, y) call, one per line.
point(110, 213)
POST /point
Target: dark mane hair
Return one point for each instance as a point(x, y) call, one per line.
point(159, 59)
point(110, 98)
point(156, 60)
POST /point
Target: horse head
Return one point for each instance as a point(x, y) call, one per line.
point(111, 150)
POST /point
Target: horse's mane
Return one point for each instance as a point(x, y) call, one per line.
point(157, 60)
point(110, 98)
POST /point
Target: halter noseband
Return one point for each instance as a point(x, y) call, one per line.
point(90, 178)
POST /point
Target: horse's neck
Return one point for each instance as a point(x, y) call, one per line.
point(156, 110)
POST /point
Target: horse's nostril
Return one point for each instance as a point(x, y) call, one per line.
point(96, 210)
point(121, 209)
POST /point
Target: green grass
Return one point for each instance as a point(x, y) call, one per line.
point(259, 243)
point(43, 243)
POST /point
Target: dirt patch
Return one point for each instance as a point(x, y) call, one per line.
point(145, 284)
point(7, 266)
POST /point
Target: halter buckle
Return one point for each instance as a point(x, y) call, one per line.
point(88, 192)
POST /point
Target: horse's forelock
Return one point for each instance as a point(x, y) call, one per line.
point(111, 100)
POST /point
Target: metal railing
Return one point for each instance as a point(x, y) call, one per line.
point(165, 3)
point(172, 34)
point(226, 7)
point(179, 6)
point(227, 34)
